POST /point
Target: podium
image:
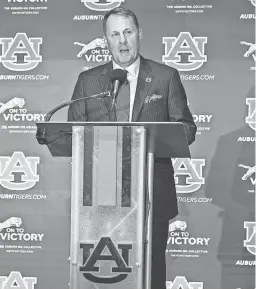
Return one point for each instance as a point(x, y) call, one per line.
point(111, 196)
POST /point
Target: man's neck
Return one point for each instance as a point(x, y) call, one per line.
point(123, 65)
point(133, 68)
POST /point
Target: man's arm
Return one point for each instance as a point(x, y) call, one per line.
point(77, 111)
point(178, 108)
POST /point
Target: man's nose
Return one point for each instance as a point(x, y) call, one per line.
point(122, 38)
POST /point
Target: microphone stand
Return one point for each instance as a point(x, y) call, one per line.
point(41, 135)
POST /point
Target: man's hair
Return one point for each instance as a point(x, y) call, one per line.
point(121, 12)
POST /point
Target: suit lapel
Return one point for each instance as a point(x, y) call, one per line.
point(145, 80)
point(105, 84)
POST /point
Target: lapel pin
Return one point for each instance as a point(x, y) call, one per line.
point(148, 79)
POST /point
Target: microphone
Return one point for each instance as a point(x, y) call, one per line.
point(118, 77)
point(41, 135)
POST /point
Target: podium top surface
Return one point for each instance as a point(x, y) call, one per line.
point(164, 139)
point(97, 123)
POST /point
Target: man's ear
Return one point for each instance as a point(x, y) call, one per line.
point(105, 39)
point(140, 33)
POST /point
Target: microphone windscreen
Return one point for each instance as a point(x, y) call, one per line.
point(118, 74)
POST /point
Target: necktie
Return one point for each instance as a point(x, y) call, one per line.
point(123, 103)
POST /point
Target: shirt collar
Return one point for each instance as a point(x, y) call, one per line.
point(133, 69)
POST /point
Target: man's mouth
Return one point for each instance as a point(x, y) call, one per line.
point(123, 50)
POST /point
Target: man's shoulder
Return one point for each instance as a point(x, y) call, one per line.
point(94, 71)
point(160, 66)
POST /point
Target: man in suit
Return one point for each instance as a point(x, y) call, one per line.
point(153, 93)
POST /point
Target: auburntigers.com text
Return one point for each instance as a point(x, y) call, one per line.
point(24, 77)
point(23, 196)
point(194, 200)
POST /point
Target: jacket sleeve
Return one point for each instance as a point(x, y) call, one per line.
point(77, 111)
point(178, 107)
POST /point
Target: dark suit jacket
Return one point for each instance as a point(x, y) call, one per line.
point(154, 78)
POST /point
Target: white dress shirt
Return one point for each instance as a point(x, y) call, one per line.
point(132, 77)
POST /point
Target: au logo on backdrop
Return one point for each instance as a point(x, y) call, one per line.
point(98, 6)
point(192, 170)
point(249, 244)
point(105, 252)
point(250, 119)
point(15, 277)
point(21, 44)
point(18, 167)
point(21, 54)
point(181, 282)
point(188, 177)
point(186, 53)
point(185, 44)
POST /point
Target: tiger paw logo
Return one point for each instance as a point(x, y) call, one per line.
point(15, 280)
point(191, 172)
point(21, 53)
point(104, 254)
point(100, 5)
point(181, 282)
point(185, 53)
point(18, 172)
point(250, 242)
point(251, 117)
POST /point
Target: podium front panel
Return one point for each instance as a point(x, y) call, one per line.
point(107, 207)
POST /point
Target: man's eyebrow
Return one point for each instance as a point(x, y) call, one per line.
point(113, 31)
point(118, 31)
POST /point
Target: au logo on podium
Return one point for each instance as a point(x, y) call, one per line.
point(106, 252)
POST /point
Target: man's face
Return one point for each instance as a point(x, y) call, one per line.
point(123, 39)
